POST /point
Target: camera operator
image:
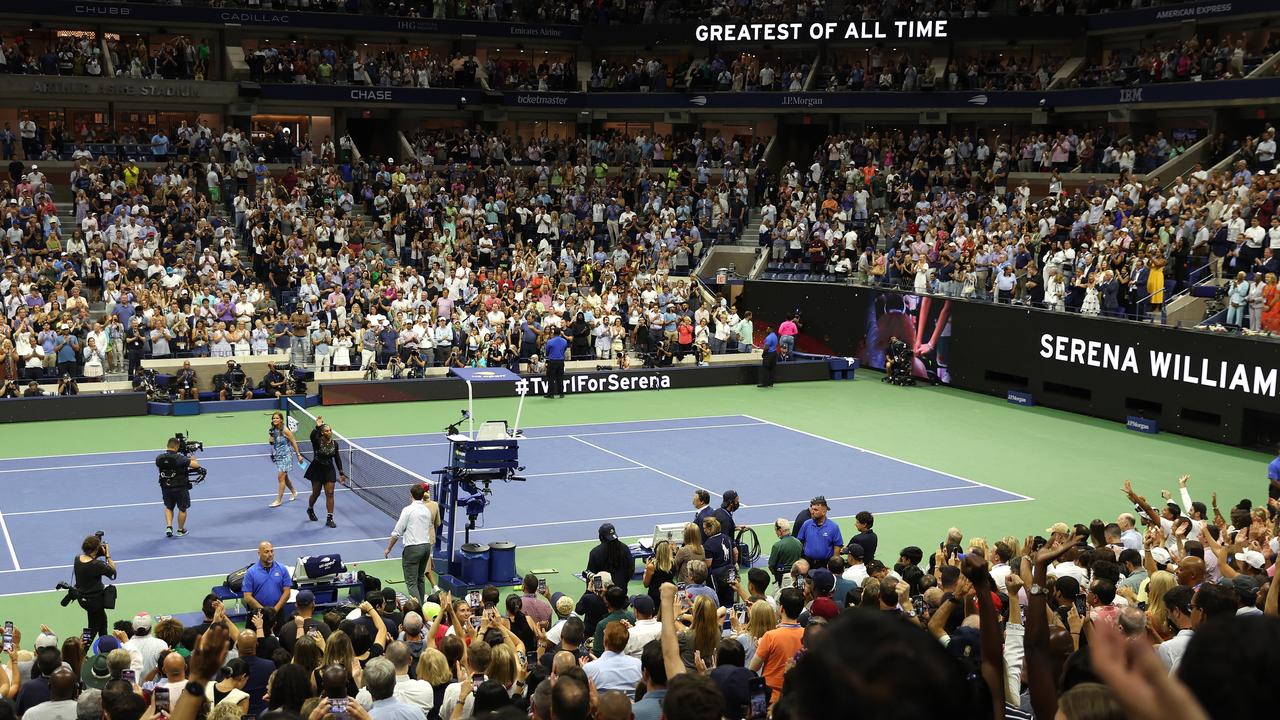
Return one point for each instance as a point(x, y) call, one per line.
point(67, 386)
point(274, 382)
point(175, 485)
point(33, 390)
point(235, 384)
point(9, 390)
point(662, 355)
point(187, 383)
point(92, 565)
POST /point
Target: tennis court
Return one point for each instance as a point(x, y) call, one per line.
point(635, 474)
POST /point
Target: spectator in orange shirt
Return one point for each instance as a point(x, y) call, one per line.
point(779, 646)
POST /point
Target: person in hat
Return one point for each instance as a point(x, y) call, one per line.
point(612, 556)
point(820, 537)
point(143, 646)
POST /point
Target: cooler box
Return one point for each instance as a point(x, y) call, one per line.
point(473, 564)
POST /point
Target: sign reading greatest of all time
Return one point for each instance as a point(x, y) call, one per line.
point(822, 31)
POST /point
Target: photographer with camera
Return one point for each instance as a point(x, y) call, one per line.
point(9, 389)
point(175, 484)
point(274, 382)
point(186, 382)
point(67, 386)
point(235, 384)
point(92, 565)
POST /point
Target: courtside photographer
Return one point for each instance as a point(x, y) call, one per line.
point(176, 470)
point(235, 383)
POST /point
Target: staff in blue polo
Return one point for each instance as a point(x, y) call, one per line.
point(556, 347)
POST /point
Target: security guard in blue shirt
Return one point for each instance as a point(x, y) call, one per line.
point(556, 347)
point(769, 362)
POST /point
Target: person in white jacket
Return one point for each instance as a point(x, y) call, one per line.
point(1054, 291)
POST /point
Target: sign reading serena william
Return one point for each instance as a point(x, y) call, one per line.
point(821, 31)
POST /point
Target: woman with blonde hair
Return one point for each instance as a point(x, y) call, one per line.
point(503, 665)
point(760, 619)
point(1157, 612)
point(339, 651)
point(690, 550)
point(703, 634)
point(433, 667)
point(658, 570)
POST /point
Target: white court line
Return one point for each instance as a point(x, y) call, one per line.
point(890, 457)
point(221, 498)
point(532, 545)
point(646, 467)
point(575, 436)
point(380, 447)
point(13, 554)
point(375, 437)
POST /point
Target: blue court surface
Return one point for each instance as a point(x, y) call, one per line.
point(633, 474)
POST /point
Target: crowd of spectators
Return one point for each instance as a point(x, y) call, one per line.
point(736, 73)
point(1145, 616)
point(937, 215)
point(75, 56)
point(639, 75)
point(1195, 59)
point(326, 63)
point(457, 257)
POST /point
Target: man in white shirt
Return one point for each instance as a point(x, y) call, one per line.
point(647, 626)
point(417, 526)
point(417, 693)
point(1178, 601)
point(143, 646)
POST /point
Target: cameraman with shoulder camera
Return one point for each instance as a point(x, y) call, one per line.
point(274, 382)
point(92, 565)
point(175, 484)
point(235, 384)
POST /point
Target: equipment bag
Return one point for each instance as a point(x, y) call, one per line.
point(235, 581)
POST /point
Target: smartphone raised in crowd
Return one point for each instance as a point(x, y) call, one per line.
point(338, 706)
point(86, 639)
point(758, 699)
point(161, 694)
point(8, 636)
point(129, 675)
point(308, 625)
point(597, 583)
point(473, 598)
point(740, 610)
point(542, 584)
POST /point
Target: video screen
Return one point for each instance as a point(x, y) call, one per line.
point(923, 322)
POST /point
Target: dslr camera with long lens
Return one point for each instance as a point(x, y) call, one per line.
point(147, 381)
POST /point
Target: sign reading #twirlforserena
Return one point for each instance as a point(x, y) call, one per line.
point(821, 31)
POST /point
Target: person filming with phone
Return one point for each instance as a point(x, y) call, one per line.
point(92, 565)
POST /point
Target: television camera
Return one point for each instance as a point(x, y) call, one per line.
point(187, 446)
point(148, 381)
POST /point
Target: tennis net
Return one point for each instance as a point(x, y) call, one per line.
point(378, 481)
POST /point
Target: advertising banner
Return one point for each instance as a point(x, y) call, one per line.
point(578, 383)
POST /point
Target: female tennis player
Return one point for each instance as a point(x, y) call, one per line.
point(325, 468)
point(281, 440)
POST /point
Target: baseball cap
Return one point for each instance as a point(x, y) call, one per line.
point(643, 605)
point(1059, 527)
point(824, 607)
point(823, 580)
point(563, 605)
point(820, 500)
point(1251, 557)
point(142, 621)
point(1161, 555)
point(875, 566)
point(607, 533)
point(854, 549)
point(1245, 586)
point(46, 640)
point(106, 644)
point(305, 598)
